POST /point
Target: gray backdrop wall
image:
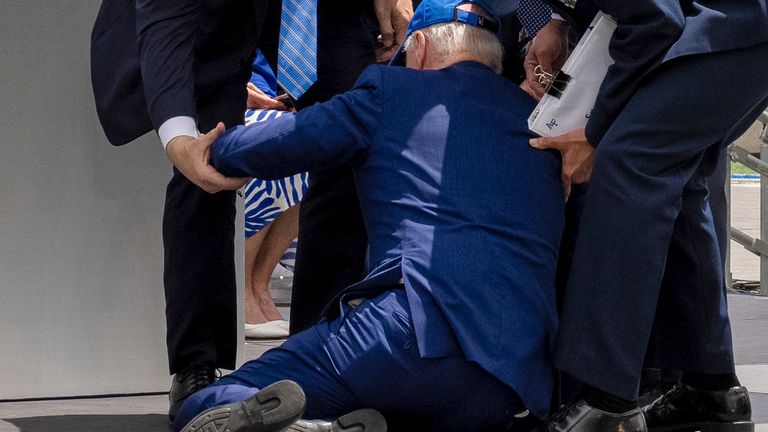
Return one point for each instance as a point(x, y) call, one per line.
point(81, 299)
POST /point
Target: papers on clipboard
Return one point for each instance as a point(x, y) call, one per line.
point(571, 95)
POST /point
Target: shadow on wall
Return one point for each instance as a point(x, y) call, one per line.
point(92, 423)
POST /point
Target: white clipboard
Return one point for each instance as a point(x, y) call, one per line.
point(571, 95)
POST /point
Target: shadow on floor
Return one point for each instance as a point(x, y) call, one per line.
point(93, 423)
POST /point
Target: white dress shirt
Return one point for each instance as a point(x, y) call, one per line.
point(177, 126)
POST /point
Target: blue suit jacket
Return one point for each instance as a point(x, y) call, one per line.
point(651, 32)
point(455, 202)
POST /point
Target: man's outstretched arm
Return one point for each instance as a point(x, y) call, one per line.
point(324, 135)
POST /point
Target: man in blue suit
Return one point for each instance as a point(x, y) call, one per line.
point(453, 326)
point(685, 83)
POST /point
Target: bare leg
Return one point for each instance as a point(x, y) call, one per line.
point(259, 306)
point(252, 246)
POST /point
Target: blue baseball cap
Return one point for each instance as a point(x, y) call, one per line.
point(431, 12)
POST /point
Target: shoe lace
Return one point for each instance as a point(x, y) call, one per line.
point(659, 388)
point(662, 401)
point(562, 414)
point(201, 376)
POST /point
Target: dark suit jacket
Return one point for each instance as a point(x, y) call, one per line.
point(455, 203)
point(651, 32)
point(156, 59)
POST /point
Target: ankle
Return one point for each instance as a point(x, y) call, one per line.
point(255, 315)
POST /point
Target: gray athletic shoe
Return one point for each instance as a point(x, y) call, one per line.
point(272, 409)
point(364, 420)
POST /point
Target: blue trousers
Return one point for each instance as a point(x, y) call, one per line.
point(647, 259)
point(368, 358)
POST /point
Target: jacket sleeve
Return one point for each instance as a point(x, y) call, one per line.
point(325, 135)
point(166, 35)
point(645, 32)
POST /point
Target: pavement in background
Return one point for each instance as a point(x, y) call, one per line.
point(745, 216)
point(749, 316)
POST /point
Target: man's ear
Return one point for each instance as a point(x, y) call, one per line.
point(417, 55)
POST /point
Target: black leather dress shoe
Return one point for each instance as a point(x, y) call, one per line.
point(581, 417)
point(364, 420)
point(655, 391)
point(272, 409)
point(187, 382)
point(685, 408)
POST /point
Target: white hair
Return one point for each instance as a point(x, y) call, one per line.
point(454, 38)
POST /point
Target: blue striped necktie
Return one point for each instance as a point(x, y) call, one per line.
point(297, 60)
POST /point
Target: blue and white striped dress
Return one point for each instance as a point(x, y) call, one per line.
point(265, 200)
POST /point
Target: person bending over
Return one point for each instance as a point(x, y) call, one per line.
point(454, 326)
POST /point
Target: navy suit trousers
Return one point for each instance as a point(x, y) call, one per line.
point(368, 358)
point(646, 259)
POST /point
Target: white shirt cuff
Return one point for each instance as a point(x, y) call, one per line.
point(556, 16)
point(177, 126)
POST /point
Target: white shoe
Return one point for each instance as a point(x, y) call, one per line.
point(269, 330)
